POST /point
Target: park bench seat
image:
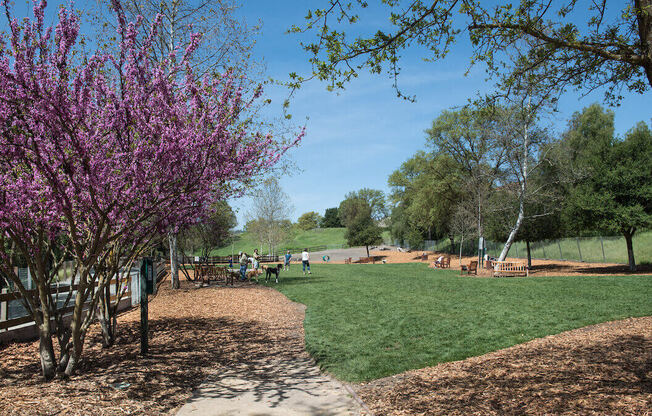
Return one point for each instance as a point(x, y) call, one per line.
point(470, 268)
point(509, 268)
point(445, 263)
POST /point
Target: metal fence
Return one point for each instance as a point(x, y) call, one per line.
point(585, 249)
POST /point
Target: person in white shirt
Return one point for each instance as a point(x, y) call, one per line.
point(305, 259)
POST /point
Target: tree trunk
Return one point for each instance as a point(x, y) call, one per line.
point(107, 318)
point(643, 13)
point(367, 251)
point(461, 244)
point(521, 196)
point(174, 265)
point(512, 234)
point(479, 227)
point(529, 255)
point(452, 249)
point(630, 249)
point(46, 350)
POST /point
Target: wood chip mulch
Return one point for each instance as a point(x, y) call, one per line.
point(604, 369)
point(193, 333)
point(539, 267)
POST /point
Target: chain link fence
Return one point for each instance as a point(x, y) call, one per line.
point(586, 249)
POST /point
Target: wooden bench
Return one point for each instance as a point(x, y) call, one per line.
point(445, 263)
point(471, 268)
point(348, 261)
point(510, 268)
point(367, 260)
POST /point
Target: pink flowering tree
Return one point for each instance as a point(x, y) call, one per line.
point(98, 153)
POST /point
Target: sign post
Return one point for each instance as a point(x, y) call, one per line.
point(481, 252)
point(146, 287)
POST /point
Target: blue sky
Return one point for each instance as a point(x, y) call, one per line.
point(357, 137)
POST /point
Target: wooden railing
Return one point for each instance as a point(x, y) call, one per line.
point(6, 297)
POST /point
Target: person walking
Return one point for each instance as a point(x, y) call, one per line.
point(305, 260)
point(243, 265)
point(288, 257)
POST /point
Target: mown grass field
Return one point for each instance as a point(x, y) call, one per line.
point(299, 238)
point(369, 321)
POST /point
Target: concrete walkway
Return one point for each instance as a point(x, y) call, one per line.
point(272, 387)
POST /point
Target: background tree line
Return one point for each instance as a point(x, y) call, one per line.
point(471, 182)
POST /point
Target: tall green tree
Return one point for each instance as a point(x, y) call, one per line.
point(361, 230)
point(309, 220)
point(331, 219)
point(608, 43)
point(613, 191)
point(473, 137)
point(375, 199)
point(352, 208)
point(425, 189)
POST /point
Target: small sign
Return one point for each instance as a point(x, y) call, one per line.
point(147, 270)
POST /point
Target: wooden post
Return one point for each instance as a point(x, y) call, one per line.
point(144, 325)
point(3, 309)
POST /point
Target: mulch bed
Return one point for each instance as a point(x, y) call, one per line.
point(193, 333)
point(604, 369)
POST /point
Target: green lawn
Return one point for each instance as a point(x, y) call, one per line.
point(332, 237)
point(369, 321)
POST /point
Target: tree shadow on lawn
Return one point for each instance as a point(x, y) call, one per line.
point(183, 353)
point(601, 378)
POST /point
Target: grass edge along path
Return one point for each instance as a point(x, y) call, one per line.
point(365, 322)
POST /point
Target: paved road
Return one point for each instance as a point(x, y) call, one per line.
point(337, 255)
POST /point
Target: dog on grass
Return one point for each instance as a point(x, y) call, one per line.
point(276, 271)
point(253, 273)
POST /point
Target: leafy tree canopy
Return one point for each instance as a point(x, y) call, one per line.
point(614, 189)
point(309, 220)
point(376, 200)
point(608, 43)
point(331, 219)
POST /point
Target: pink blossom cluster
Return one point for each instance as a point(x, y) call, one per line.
point(108, 147)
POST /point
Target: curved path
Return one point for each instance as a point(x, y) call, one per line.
point(274, 387)
point(282, 380)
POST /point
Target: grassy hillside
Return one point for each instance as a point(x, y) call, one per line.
point(332, 237)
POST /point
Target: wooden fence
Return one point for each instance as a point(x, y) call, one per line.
point(7, 297)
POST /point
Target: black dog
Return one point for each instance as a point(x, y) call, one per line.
point(273, 271)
